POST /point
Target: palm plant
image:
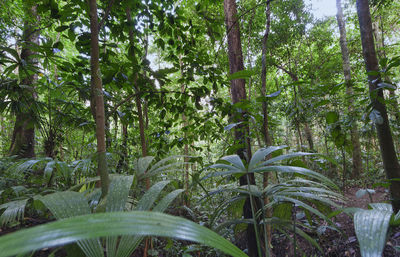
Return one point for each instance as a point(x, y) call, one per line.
point(81, 171)
point(372, 227)
point(299, 189)
point(122, 231)
point(69, 204)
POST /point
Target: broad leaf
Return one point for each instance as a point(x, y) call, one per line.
point(106, 224)
point(371, 228)
point(243, 74)
point(235, 161)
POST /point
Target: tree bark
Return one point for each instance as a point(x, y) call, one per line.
point(309, 137)
point(124, 149)
point(23, 137)
point(97, 89)
point(388, 153)
point(185, 123)
point(380, 44)
point(265, 127)
point(267, 136)
point(238, 94)
point(355, 139)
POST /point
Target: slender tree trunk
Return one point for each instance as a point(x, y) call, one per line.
point(309, 137)
point(265, 127)
point(238, 94)
point(23, 137)
point(355, 139)
point(389, 157)
point(141, 124)
point(267, 136)
point(124, 149)
point(138, 99)
point(186, 146)
point(97, 89)
point(380, 44)
point(115, 146)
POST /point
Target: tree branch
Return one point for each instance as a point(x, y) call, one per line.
point(106, 13)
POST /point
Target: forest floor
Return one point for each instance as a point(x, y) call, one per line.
point(334, 243)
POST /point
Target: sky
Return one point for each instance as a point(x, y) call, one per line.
point(322, 8)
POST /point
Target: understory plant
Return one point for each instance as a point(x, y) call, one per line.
point(372, 227)
point(115, 225)
point(24, 181)
point(299, 191)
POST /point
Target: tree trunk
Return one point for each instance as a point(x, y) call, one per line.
point(265, 127)
point(124, 149)
point(186, 146)
point(389, 157)
point(355, 139)
point(380, 44)
point(238, 94)
point(308, 133)
point(138, 99)
point(23, 137)
point(97, 89)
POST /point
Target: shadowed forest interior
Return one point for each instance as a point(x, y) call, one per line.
point(199, 128)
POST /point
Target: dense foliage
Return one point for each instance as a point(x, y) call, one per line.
point(250, 118)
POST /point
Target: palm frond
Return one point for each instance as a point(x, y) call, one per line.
point(13, 211)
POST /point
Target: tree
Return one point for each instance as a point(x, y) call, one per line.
point(23, 136)
point(266, 132)
point(238, 95)
point(388, 153)
point(97, 100)
point(357, 162)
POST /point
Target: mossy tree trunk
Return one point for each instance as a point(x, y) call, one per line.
point(23, 137)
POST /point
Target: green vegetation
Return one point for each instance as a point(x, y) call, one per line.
point(198, 128)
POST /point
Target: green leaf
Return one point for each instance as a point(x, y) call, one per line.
point(371, 228)
point(11, 51)
point(376, 117)
point(68, 204)
point(231, 126)
point(62, 28)
point(128, 243)
point(118, 193)
point(381, 207)
point(387, 86)
point(297, 170)
point(147, 200)
point(286, 156)
point(373, 73)
point(14, 211)
point(162, 114)
point(360, 193)
point(261, 154)
point(235, 161)
point(243, 74)
point(142, 164)
point(167, 200)
point(275, 94)
point(105, 224)
point(332, 117)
